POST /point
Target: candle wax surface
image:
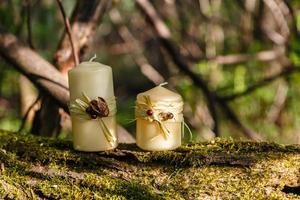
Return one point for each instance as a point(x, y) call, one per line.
point(95, 80)
point(148, 134)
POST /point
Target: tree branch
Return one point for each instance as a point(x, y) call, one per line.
point(261, 83)
point(263, 56)
point(138, 56)
point(69, 32)
point(39, 71)
point(84, 22)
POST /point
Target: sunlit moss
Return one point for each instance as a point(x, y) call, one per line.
point(34, 167)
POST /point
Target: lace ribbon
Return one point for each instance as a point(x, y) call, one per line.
point(78, 109)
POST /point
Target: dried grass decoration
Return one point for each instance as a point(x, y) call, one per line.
point(96, 109)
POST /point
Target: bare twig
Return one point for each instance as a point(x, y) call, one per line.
point(261, 83)
point(146, 68)
point(158, 25)
point(69, 32)
point(278, 16)
point(279, 37)
point(85, 19)
point(294, 20)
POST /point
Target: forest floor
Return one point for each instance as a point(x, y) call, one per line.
point(41, 168)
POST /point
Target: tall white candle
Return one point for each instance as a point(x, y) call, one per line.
point(159, 119)
point(90, 80)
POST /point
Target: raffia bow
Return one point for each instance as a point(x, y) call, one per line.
point(96, 109)
point(159, 112)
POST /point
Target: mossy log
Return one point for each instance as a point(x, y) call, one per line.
point(40, 168)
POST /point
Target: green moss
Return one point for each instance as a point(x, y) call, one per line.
point(34, 167)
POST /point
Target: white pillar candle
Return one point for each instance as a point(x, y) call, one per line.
point(159, 119)
point(87, 82)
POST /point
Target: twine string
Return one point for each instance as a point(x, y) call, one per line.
point(157, 108)
point(93, 58)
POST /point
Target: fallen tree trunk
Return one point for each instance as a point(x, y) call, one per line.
point(37, 168)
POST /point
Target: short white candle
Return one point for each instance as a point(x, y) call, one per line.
point(94, 80)
point(149, 134)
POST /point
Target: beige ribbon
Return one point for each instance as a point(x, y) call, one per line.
point(78, 109)
point(159, 112)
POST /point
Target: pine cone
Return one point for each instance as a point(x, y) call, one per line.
point(100, 107)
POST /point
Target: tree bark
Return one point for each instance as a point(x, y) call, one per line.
point(41, 168)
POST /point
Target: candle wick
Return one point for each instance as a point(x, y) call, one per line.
point(162, 84)
point(93, 58)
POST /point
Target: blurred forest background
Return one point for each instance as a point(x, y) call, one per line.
point(235, 63)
